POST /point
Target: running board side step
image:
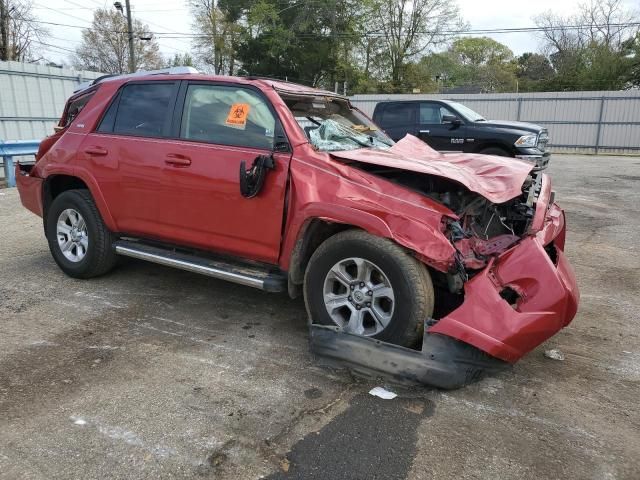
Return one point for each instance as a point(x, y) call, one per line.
point(243, 274)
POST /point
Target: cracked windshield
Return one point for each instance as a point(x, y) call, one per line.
point(330, 125)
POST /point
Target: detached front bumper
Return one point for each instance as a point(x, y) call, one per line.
point(539, 296)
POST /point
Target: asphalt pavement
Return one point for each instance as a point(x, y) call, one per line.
point(150, 372)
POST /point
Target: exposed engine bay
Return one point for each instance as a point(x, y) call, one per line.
point(484, 229)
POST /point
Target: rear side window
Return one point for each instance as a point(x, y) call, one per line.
point(397, 115)
point(227, 116)
point(73, 109)
point(143, 110)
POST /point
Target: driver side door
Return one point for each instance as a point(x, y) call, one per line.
point(216, 127)
point(442, 136)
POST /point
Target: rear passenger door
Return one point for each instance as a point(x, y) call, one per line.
point(398, 119)
point(126, 155)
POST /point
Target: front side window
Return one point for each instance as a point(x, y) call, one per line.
point(467, 113)
point(143, 109)
point(432, 113)
point(227, 115)
point(331, 124)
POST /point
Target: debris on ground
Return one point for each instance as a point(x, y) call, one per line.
point(382, 393)
point(554, 354)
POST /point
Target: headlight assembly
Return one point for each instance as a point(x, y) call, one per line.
point(527, 141)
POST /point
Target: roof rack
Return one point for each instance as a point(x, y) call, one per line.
point(163, 71)
point(264, 77)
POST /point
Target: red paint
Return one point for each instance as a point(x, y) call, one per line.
point(30, 191)
point(492, 177)
point(187, 193)
point(549, 299)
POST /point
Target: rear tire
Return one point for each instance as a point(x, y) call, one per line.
point(368, 286)
point(497, 151)
point(79, 241)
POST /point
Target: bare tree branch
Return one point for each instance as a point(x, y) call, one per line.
point(105, 47)
point(19, 32)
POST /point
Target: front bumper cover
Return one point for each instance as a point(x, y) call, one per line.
point(443, 362)
point(544, 282)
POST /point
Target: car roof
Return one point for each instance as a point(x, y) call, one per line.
point(281, 86)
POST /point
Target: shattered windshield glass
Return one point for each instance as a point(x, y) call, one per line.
point(330, 125)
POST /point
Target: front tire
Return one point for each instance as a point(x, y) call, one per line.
point(368, 286)
point(79, 241)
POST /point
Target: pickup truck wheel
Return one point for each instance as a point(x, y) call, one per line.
point(368, 286)
point(497, 151)
point(78, 239)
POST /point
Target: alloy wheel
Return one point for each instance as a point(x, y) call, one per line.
point(358, 296)
point(73, 239)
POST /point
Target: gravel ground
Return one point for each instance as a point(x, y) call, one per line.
point(150, 372)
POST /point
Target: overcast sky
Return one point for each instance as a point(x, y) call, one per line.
point(173, 16)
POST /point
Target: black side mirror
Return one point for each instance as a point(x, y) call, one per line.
point(452, 119)
point(252, 180)
point(282, 146)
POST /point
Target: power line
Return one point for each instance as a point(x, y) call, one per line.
point(167, 31)
point(54, 46)
point(62, 13)
point(380, 34)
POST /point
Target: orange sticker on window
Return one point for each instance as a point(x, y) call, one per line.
point(238, 114)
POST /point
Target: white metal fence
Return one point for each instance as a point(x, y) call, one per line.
point(32, 98)
point(578, 122)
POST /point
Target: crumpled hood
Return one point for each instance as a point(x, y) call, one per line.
point(498, 179)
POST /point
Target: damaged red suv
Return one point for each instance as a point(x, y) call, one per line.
point(286, 188)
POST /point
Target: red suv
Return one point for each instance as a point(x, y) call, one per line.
point(287, 188)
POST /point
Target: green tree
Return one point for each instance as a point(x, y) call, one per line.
point(219, 33)
point(632, 54)
point(596, 55)
point(480, 63)
point(485, 63)
point(480, 51)
point(533, 70)
point(309, 42)
point(180, 60)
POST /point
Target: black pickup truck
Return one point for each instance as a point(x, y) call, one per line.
point(452, 127)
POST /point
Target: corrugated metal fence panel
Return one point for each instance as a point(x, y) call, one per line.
point(32, 98)
point(577, 121)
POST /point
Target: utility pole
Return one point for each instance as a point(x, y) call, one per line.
point(4, 30)
point(132, 54)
